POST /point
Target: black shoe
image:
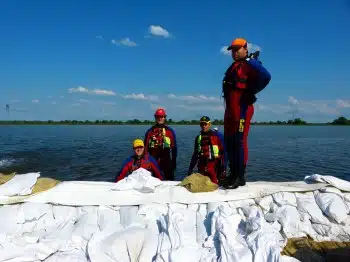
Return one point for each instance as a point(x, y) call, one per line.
point(241, 182)
point(231, 184)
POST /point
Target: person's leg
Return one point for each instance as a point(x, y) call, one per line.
point(248, 116)
point(211, 172)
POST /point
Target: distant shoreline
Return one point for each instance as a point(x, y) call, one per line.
point(296, 122)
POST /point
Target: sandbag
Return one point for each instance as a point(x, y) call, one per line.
point(4, 178)
point(196, 183)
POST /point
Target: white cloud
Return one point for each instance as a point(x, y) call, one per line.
point(61, 96)
point(343, 103)
point(202, 108)
point(197, 98)
point(99, 37)
point(124, 41)
point(292, 100)
point(53, 103)
point(102, 92)
point(14, 101)
point(224, 50)
point(49, 97)
point(78, 89)
point(141, 96)
point(157, 30)
point(35, 101)
point(81, 89)
point(83, 100)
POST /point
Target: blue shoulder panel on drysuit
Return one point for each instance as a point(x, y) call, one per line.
point(264, 75)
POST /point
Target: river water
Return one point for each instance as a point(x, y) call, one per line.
point(276, 153)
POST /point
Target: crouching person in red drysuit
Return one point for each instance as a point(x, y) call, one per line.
point(243, 80)
point(160, 142)
point(209, 152)
point(138, 160)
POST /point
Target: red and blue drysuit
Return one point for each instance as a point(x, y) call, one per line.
point(209, 154)
point(160, 143)
point(242, 81)
point(133, 163)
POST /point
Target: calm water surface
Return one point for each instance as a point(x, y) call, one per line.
point(277, 153)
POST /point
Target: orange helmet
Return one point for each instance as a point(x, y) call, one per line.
point(160, 112)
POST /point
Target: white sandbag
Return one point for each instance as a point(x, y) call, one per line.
point(265, 241)
point(85, 226)
point(331, 180)
point(266, 203)
point(285, 198)
point(226, 241)
point(140, 180)
point(108, 219)
point(182, 227)
point(125, 245)
point(8, 224)
point(33, 211)
point(75, 255)
point(129, 217)
point(201, 223)
point(289, 218)
point(19, 185)
point(240, 203)
point(64, 213)
point(29, 252)
point(332, 205)
point(308, 209)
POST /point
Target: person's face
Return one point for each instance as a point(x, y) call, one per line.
point(160, 119)
point(239, 53)
point(205, 126)
point(139, 150)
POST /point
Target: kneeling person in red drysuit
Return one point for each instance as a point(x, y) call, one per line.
point(160, 142)
point(209, 152)
point(243, 80)
point(138, 160)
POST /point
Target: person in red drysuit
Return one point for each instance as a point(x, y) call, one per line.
point(160, 142)
point(138, 160)
point(209, 152)
point(243, 80)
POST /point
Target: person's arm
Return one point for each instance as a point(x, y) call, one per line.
point(222, 149)
point(124, 171)
point(146, 140)
point(260, 74)
point(173, 147)
point(155, 168)
point(194, 158)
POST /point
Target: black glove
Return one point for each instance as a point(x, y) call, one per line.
point(248, 98)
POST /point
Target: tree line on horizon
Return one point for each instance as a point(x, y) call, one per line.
point(297, 121)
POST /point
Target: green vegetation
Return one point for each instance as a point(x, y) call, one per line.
point(339, 121)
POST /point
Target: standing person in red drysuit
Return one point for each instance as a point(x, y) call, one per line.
point(209, 152)
point(160, 142)
point(243, 80)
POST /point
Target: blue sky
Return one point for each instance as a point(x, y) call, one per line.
point(122, 59)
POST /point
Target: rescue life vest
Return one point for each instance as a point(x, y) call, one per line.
point(141, 162)
point(235, 77)
point(211, 151)
point(159, 138)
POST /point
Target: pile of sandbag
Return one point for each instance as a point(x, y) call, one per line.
point(247, 229)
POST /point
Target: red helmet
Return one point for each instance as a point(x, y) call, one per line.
point(160, 112)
